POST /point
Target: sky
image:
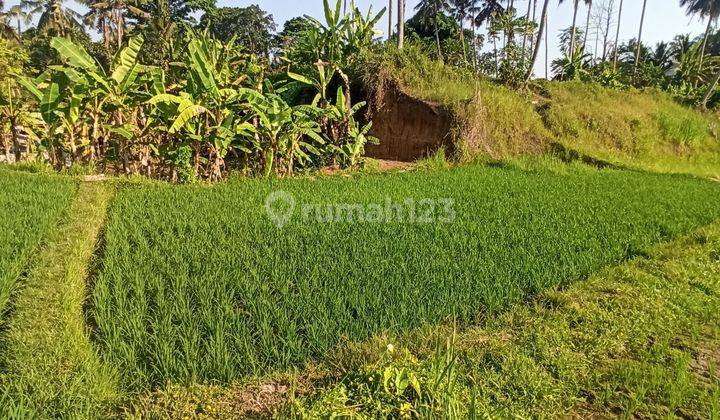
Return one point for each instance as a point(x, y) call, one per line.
point(664, 18)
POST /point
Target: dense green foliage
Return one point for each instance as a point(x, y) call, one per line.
point(31, 206)
point(197, 284)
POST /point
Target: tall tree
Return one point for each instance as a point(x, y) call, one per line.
point(55, 17)
point(460, 10)
point(640, 31)
point(6, 29)
point(541, 30)
point(576, 6)
point(428, 10)
point(390, 18)
point(401, 23)
point(617, 36)
point(251, 27)
point(708, 9)
point(486, 14)
point(589, 4)
point(110, 18)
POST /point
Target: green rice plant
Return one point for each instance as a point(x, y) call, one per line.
point(198, 284)
point(30, 206)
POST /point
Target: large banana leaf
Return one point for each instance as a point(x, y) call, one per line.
point(73, 54)
point(51, 99)
point(30, 86)
point(126, 60)
point(186, 112)
point(200, 66)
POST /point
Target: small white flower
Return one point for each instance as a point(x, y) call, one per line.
point(390, 348)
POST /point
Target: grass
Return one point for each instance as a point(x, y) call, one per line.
point(198, 285)
point(639, 340)
point(50, 368)
point(643, 130)
point(31, 206)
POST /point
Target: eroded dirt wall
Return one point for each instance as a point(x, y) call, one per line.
point(409, 128)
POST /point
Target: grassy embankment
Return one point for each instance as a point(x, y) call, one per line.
point(49, 367)
point(198, 285)
point(634, 129)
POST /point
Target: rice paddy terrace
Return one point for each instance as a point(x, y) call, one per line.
point(162, 284)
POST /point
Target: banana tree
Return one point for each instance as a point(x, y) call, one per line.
point(16, 119)
point(206, 111)
point(288, 134)
point(348, 136)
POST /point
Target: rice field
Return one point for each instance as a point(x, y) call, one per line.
point(198, 284)
point(30, 206)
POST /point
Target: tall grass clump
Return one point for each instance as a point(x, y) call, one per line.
point(198, 284)
point(30, 205)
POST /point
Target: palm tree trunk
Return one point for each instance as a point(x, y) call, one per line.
point(437, 40)
point(527, 17)
point(474, 43)
point(587, 25)
point(639, 40)
point(574, 28)
point(710, 91)
point(401, 23)
point(461, 23)
point(390, 18)
point(705, 40)
point(541, 31)
point(617, 36)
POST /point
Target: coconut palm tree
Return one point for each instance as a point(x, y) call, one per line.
point(617, 36)
point(541, 30)
point(54, 16)
point(109, 17)
point(460, 10)
point(17, 14)
point(401, 23)
point(6, 29)
point(576, 6)
point(589, 4)
point(639, 39)
point(486, 13)
point(428, 10)
point(390, 18)
point(709, 9)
